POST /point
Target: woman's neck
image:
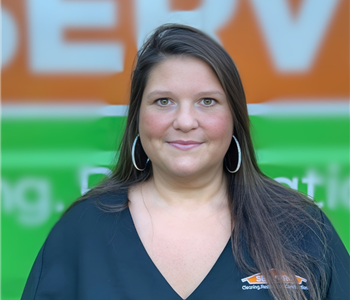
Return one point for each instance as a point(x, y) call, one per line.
point(209, 190)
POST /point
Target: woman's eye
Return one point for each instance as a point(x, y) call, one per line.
point(163, 102)
point(208, 101)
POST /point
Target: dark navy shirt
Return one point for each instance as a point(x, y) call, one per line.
point(94, 255)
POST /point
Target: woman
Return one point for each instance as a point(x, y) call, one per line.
point(187, 214)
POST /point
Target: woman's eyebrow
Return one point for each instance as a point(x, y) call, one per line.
point(210, 93)
point(157, 93)
point(162, 93)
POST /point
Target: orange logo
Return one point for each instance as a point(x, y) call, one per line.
point(260, 279)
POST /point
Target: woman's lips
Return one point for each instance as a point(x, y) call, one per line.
point(184, 145)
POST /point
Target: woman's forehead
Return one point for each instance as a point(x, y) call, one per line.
point(179, 72)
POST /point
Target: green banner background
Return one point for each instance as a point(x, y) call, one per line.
point(47, 162)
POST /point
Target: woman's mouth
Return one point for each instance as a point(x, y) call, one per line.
point(184, 145)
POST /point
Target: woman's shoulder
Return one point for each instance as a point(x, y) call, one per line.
point(89, 216)
point(316, 235)
point(75, 243)
point(98, 202)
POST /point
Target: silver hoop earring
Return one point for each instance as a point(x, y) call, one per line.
point(133, 155)
point(239, 157)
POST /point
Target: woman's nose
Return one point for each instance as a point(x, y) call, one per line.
point(186, 118)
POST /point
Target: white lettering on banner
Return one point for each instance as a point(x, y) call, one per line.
point(38, 210)
point(6, 195)
point(311, 180)
point(209, 16)
point(293, 42)
point(344, 192)
point(85, 173)
point(29, 200)
point(49, 53)
point(291, 183)
point(337, 189)
point(9, 37)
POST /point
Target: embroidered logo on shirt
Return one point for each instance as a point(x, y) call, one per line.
point(258, 281)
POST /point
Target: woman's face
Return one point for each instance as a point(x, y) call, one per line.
point(186, 124)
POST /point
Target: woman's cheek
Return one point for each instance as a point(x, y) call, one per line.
point(154, 124)
point(219, 126)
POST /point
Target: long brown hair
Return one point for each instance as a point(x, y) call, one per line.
point(268, 217)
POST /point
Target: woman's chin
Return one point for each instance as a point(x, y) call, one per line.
point(187, 171)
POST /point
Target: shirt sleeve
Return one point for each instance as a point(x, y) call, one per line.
point(339, 260)
point(54, 274)
point(34, 277)
point(71, 251)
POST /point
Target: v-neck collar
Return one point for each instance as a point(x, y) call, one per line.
point(144, 255)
